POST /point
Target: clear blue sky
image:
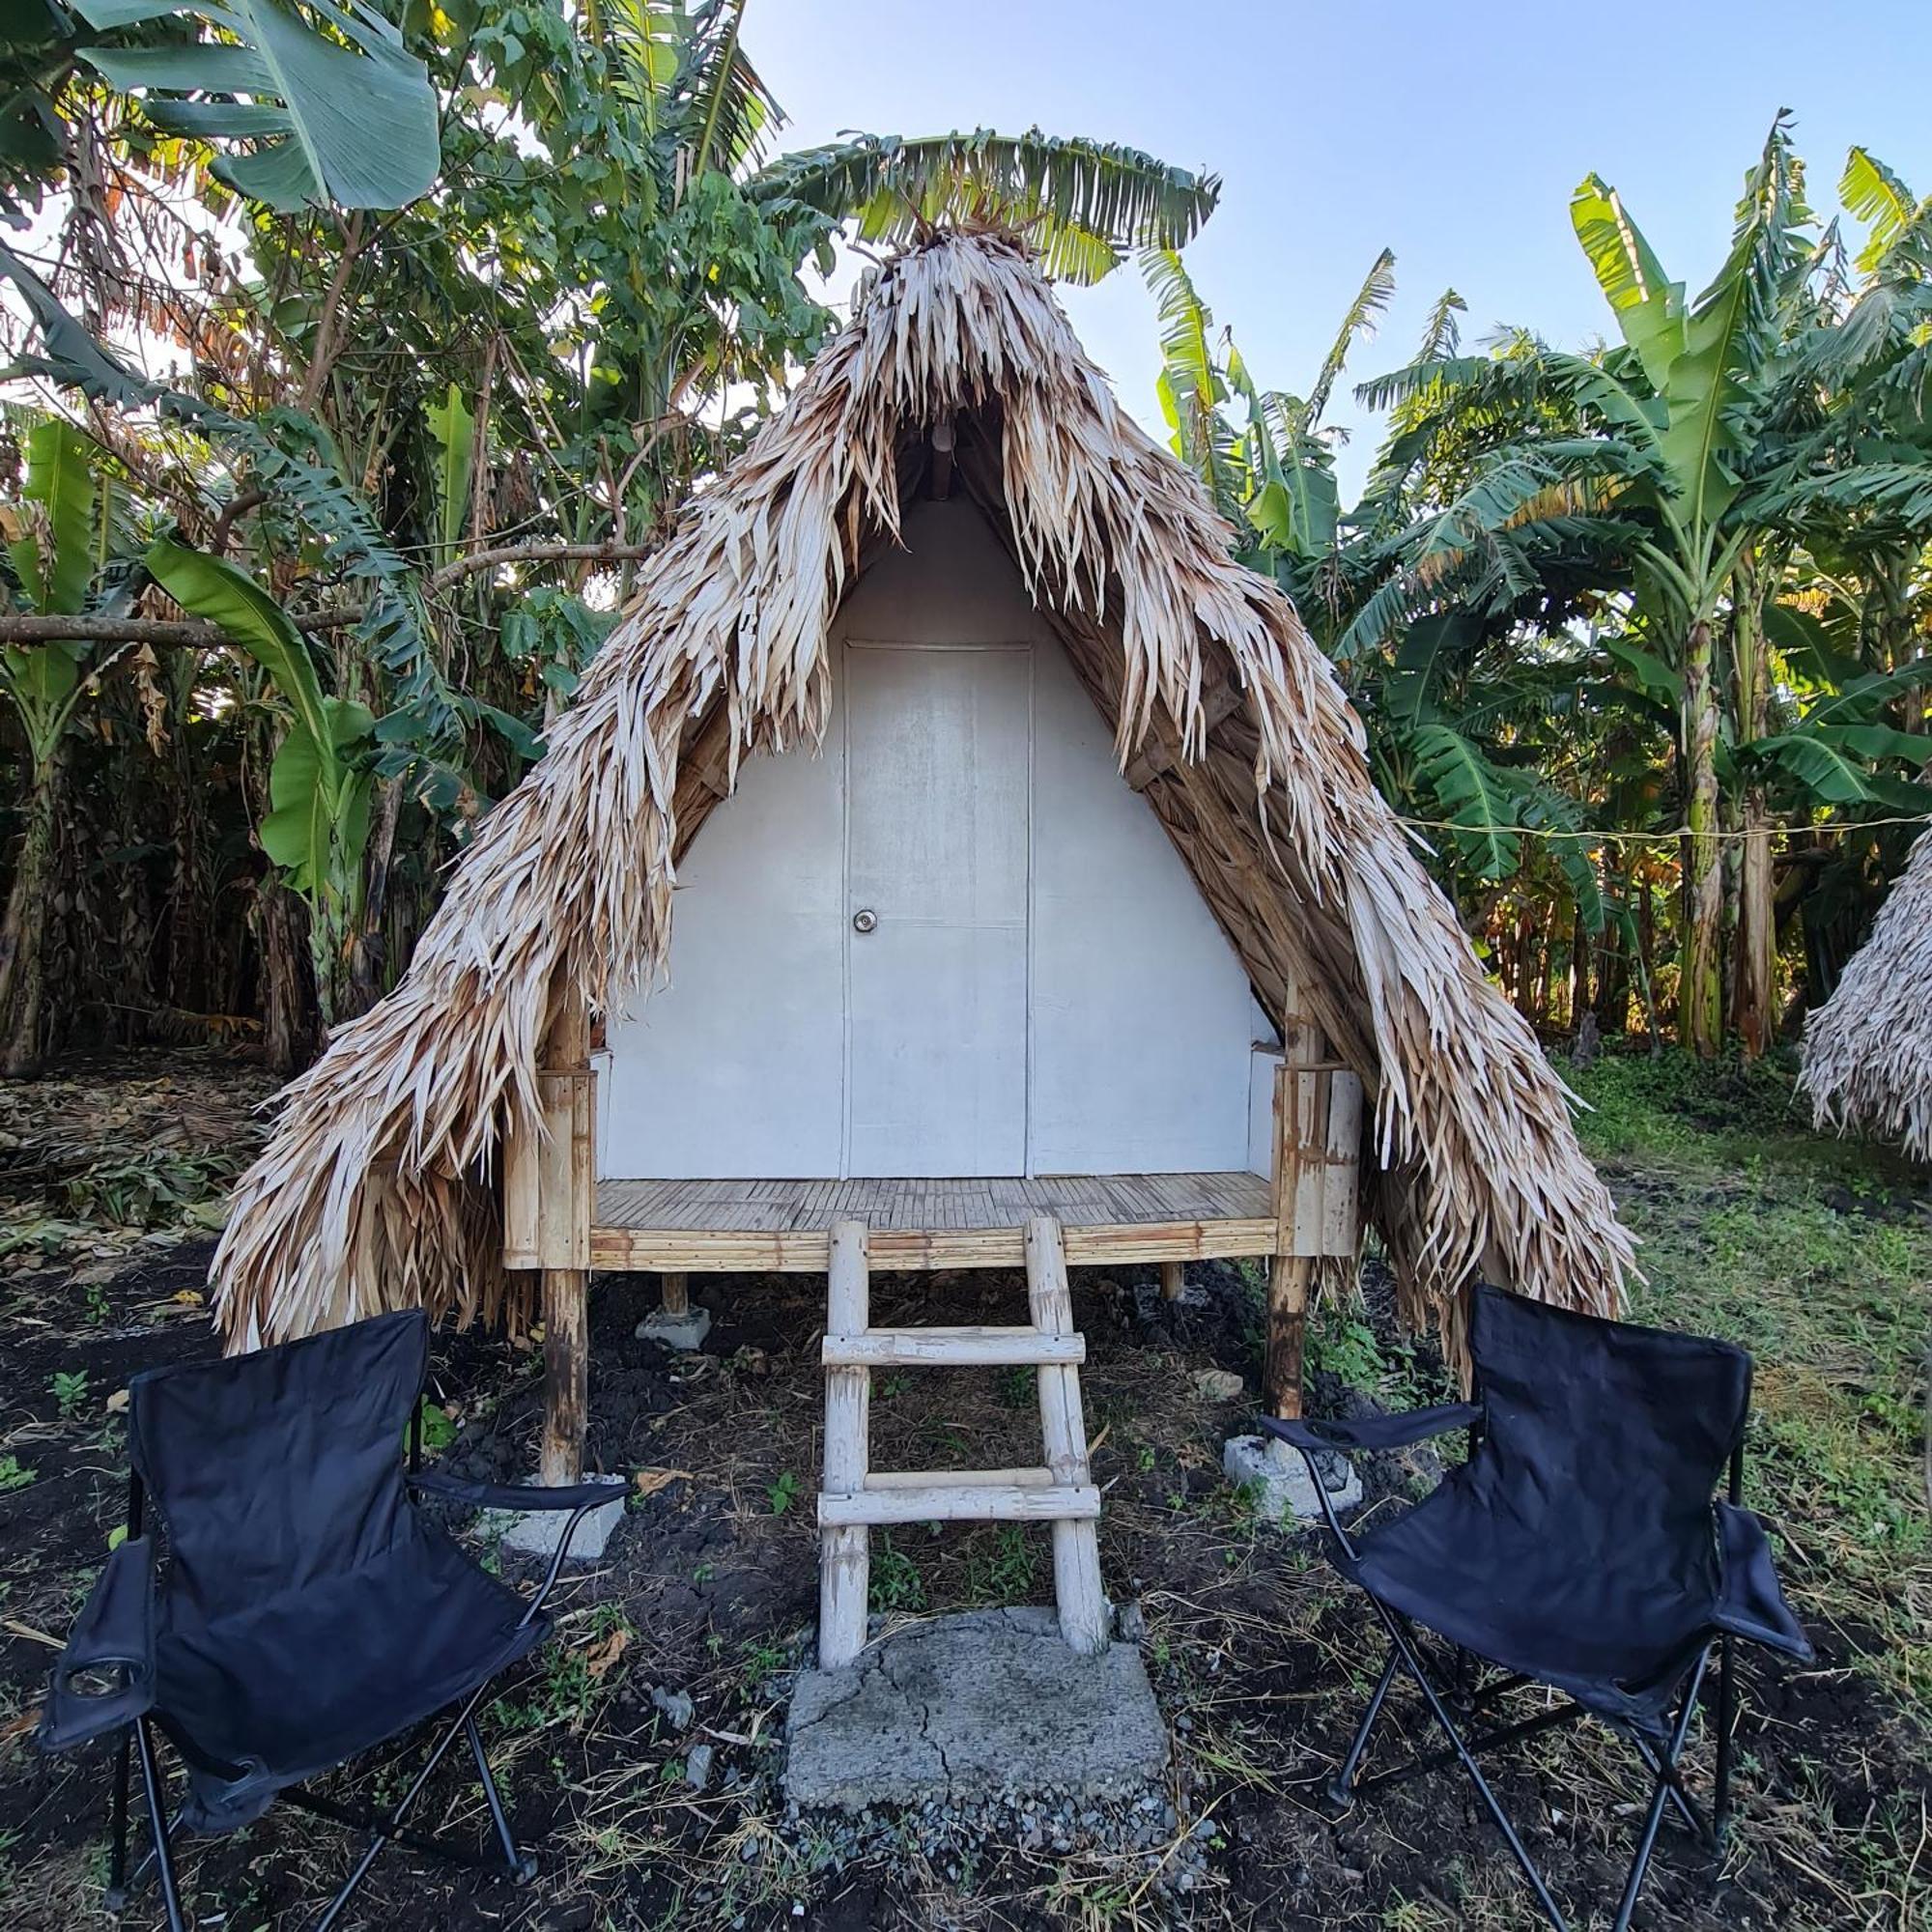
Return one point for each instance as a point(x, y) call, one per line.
point(1451, 134)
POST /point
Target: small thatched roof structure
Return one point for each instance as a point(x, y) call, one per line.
point(378, 1187)
point(1868, 1048)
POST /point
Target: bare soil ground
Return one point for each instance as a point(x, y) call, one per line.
point(1818, 1257)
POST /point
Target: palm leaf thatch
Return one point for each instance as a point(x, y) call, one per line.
point(1868, 1049)
point(377, 1187)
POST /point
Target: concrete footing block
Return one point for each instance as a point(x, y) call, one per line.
point(684, 1332)
point(982, 1705)
point(536, 1532)
point(1279, 1477)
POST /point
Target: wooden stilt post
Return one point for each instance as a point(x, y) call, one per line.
point(566, 1308)
point(1076, 1541)
point(1298, 1095)
point(566, 1164)
point(674, 1294)
point(1318, 1131)
point(1173, 1279)
point(844, 1560)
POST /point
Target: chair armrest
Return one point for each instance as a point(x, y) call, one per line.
point(1371, 1432)
point(114, 1636)
point(1750, 1601)
point(513, 1495)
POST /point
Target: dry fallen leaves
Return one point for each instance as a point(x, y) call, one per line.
point(606, 1651)
point(650, 1481)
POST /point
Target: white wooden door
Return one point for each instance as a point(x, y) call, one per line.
point(937, 791)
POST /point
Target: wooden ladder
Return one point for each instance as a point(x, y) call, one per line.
point(855, 1496)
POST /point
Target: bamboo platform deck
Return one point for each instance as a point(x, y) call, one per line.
point(784, 1226)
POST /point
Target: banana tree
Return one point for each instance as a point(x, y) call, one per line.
point(59, 537)
point(1646, 455)
point(1444, 688)
point(319, 782)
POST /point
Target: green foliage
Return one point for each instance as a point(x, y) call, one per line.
point(436, 1426)
point(344, 117)
point(69, 1391)
point(12, 1476)
point(783, 1493)
point(1084, 204)
point(453, 427)
point(151, 1188)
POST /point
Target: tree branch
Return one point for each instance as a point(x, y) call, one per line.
point(187, 634)
point(610, 552)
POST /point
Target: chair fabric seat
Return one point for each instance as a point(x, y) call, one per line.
point(1609, 1629)
point(305, 1680)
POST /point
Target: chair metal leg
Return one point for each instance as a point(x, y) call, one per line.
point(1342, 1786)
point(388, 1826)
point(116, 1898)
point(521, 1864)
point(158, 1824)
point(1528, 1728)
point(1440, 1711)
point(1654, 1818)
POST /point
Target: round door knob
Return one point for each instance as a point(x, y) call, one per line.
point(865, 920)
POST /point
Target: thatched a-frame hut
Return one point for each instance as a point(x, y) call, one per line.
point(450, 1130)
point(1868, 1048)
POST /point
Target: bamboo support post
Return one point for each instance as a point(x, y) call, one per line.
point(550, 1186)
point(1316, 1182)
point(844, 1565)
point(674, 1292)
point(1076, 1544)
point(1290, 1271)
point(1173, 1279)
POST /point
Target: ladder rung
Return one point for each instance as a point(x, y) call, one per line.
point(1040, 1478)
point(945, 1499)
point(952, 1348)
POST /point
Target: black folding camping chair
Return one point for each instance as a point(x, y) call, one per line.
point(1578, 1548)
point(306, 1612)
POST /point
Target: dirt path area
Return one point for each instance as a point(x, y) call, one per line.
point(707, 1593)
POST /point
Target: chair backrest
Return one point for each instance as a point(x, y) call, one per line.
point(274, 1468)
point(1603, 1434)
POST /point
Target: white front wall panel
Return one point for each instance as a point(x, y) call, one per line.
point(1139, 1008)
point(735, 1066)
point(1051, 993)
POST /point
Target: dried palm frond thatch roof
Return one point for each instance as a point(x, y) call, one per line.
point(377, 1187)
point(1868, 1048)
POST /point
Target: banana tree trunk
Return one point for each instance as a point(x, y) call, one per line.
point(24, 929)
point(1753, 963)
point(290, 1029)
point(1700, 997)
point(1752, 977)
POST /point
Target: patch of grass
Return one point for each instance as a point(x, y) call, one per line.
point(1003, 1568)
point(783, 1493)
point(12, 1476)
point(895, 1582)
point(1015, 1387)
point(1756, 1236)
